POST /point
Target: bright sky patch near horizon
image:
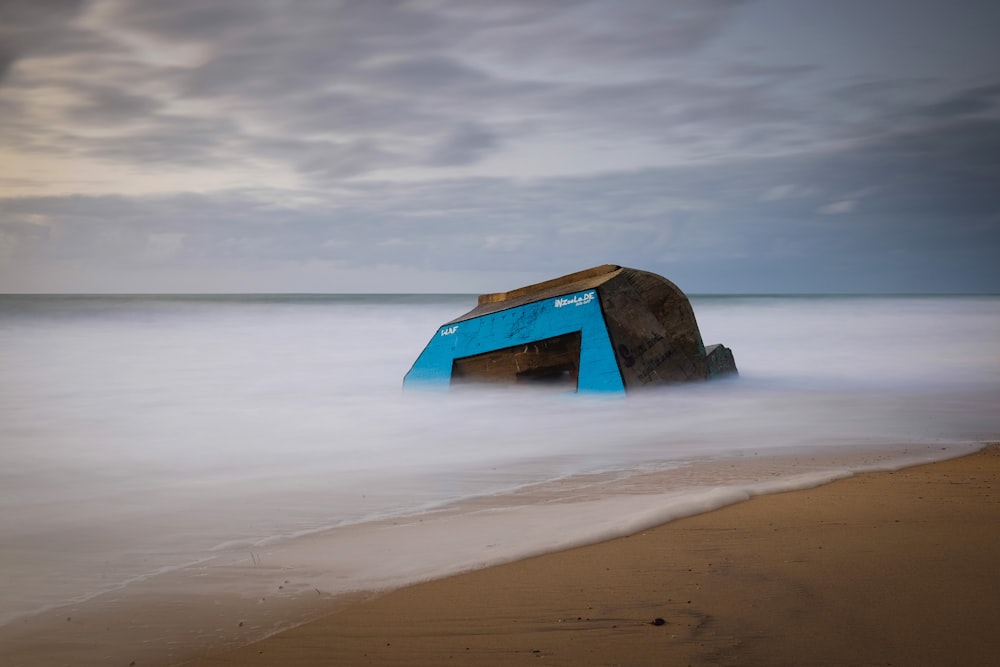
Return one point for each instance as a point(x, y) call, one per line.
point(732, 146)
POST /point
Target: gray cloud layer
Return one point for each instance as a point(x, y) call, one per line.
point(754, 168)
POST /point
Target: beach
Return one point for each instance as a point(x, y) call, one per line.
point(177, 484)
point(882, 568)
point(890, 567)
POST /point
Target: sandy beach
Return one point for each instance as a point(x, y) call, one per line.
point(895, 568)
point(883, 568)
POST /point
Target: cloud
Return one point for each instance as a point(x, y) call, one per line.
point(571, 32)
point(162, 247)
point(7, 58)
point(840, 207)
point(190, 20)
point(498, 137)
point(965, 103)
point(929, 222)
point(786, 191)
point(752, 69)
point(106, 105)
point(33, 27)
point(368, 86)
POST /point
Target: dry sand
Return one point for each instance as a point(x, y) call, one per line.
point(880, 569)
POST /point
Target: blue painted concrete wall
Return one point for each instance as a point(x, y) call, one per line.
point(580, 311)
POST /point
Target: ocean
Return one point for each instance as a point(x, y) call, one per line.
point(152, 437)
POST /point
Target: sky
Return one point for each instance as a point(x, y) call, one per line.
point(733, 146)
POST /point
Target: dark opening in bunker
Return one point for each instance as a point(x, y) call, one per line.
point(551, 362)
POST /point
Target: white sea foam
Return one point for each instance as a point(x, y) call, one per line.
point(140, 435)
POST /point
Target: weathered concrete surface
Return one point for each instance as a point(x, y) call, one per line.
point(645, 322)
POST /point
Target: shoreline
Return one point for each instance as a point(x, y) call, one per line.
point(882, 567)
point(167, 621)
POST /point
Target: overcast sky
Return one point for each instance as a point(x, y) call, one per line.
point(467, 145)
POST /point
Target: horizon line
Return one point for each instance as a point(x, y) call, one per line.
point(473, 294)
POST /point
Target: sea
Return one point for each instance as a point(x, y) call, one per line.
point(143, 437)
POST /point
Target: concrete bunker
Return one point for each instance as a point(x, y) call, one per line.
point(608, 328)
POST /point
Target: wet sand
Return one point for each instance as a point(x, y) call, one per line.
point(883, 568)
point(899, 568)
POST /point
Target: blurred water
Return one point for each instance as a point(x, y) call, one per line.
point(143, 434)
